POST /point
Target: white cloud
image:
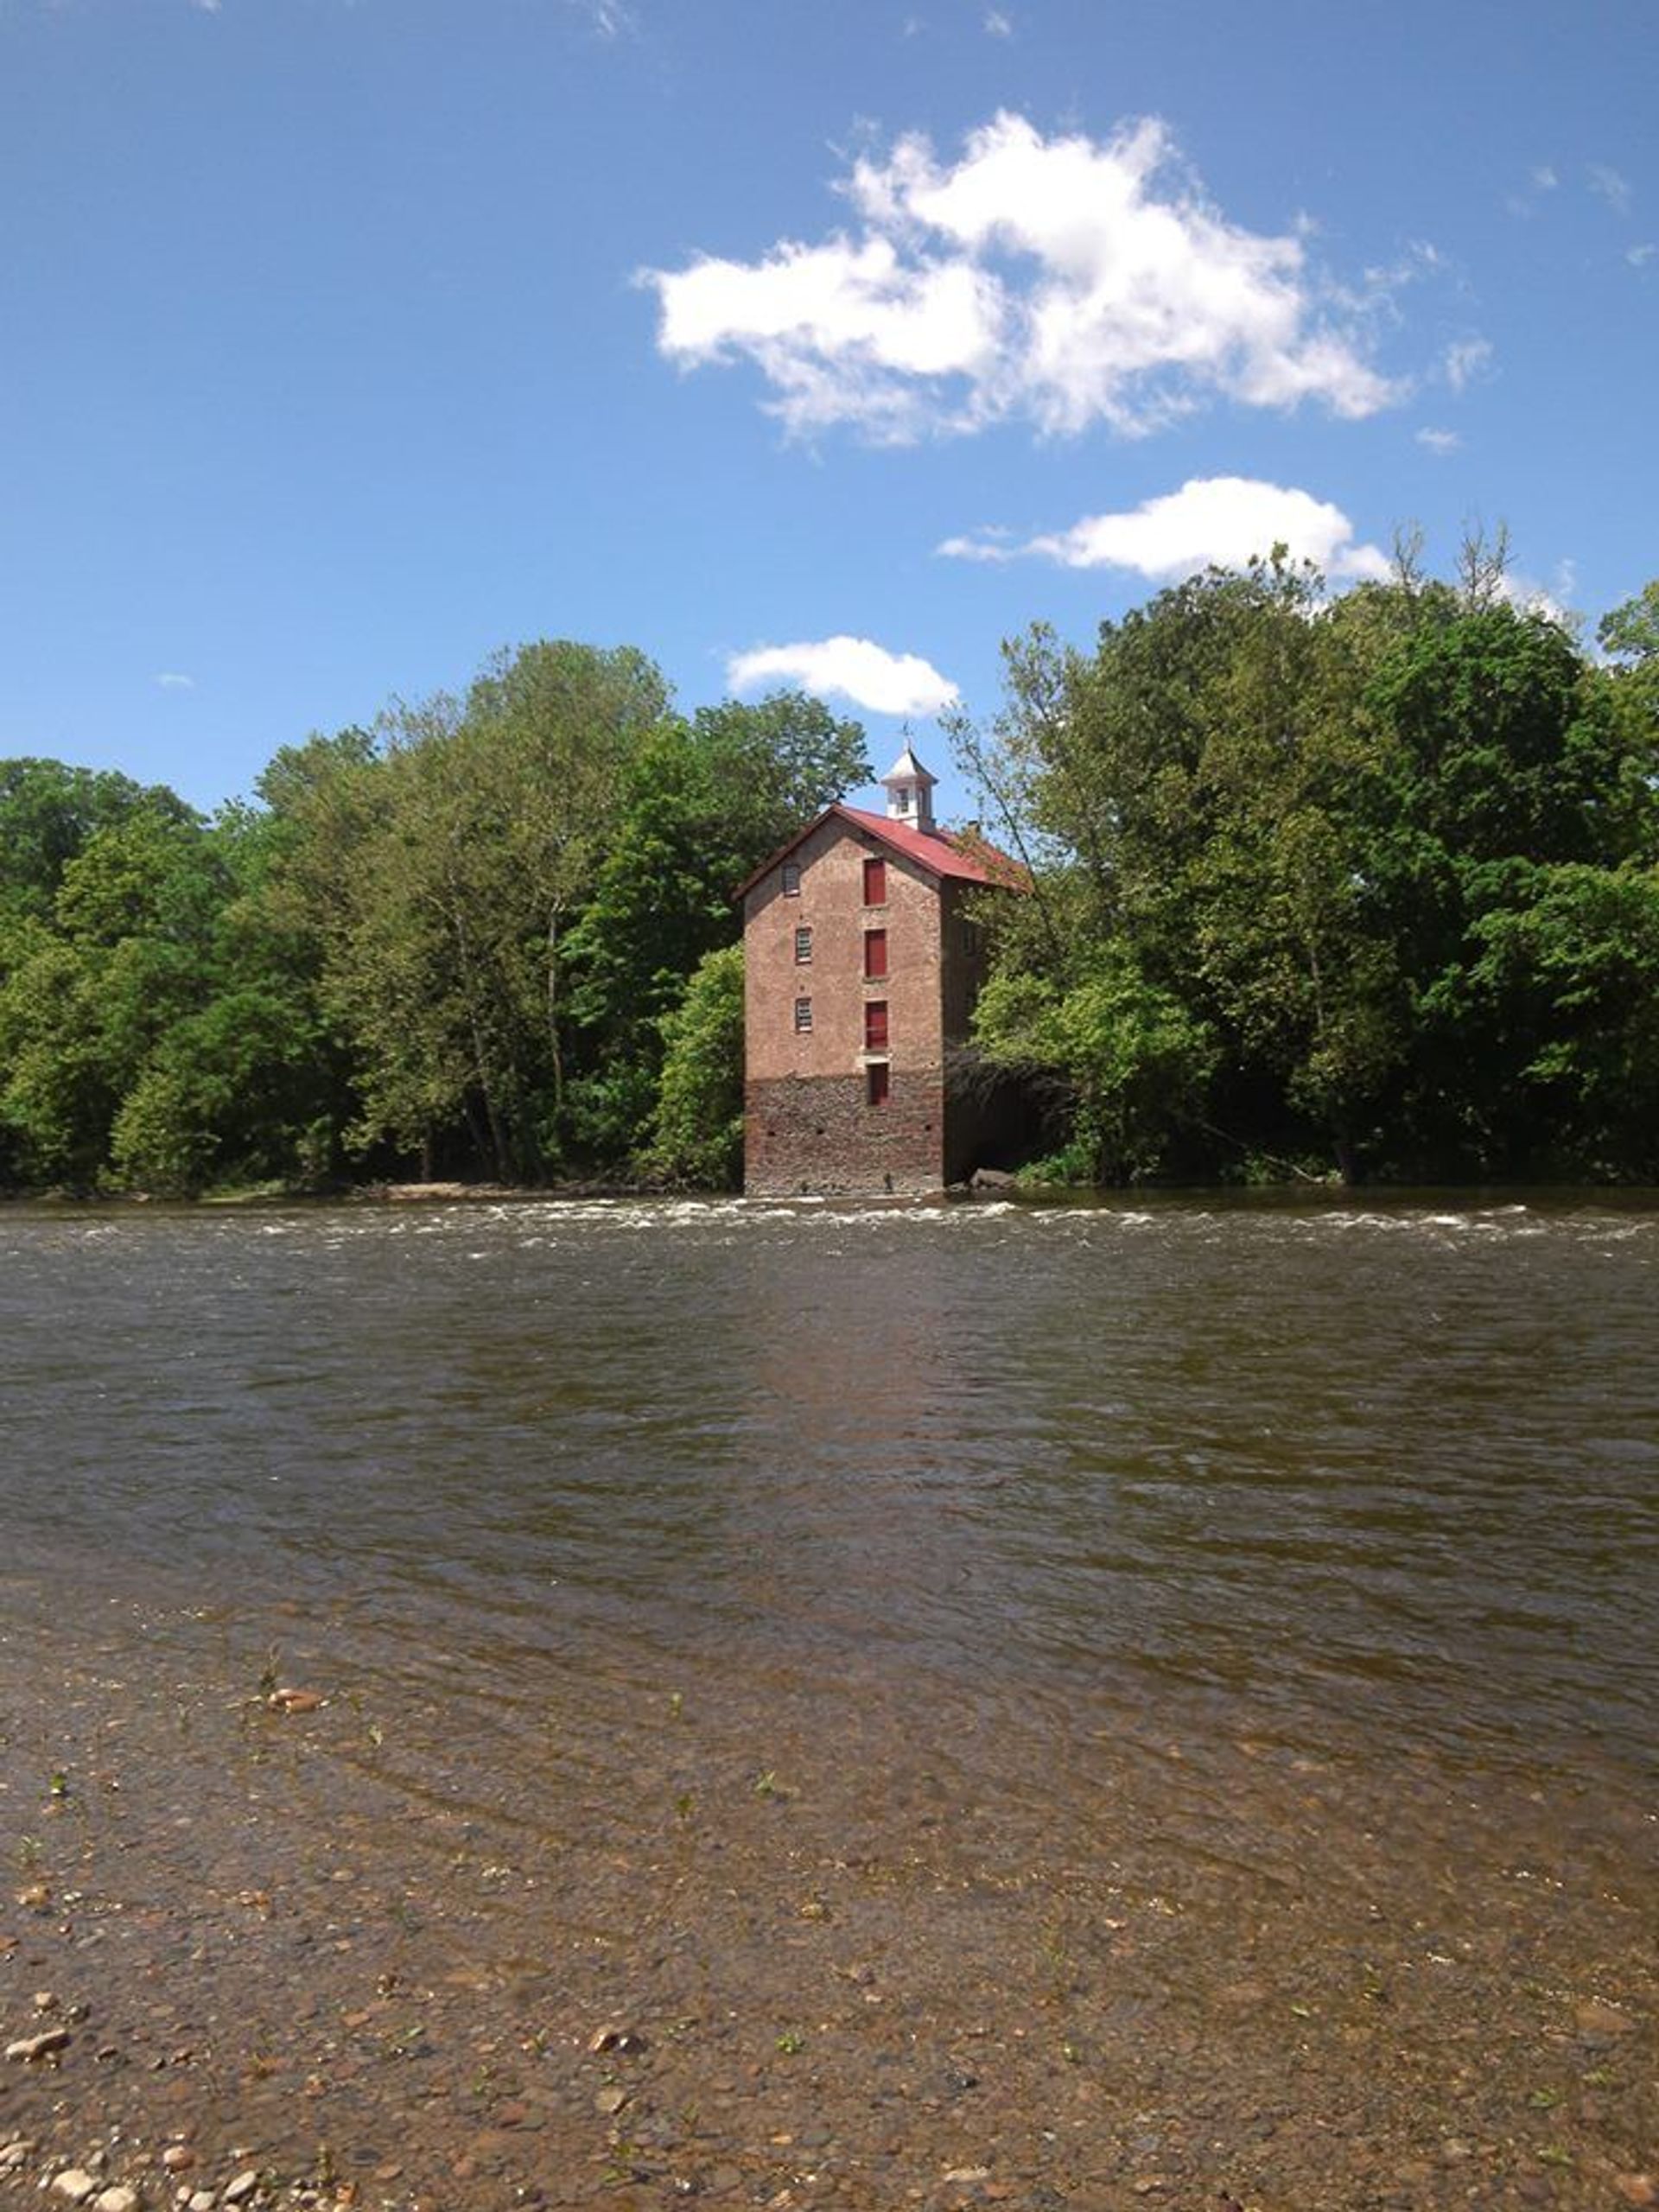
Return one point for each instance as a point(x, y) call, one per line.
point(1529, 597)
point(1226, 520)
point(849, 668)
point(1067, 280)
point(1607, 184)
point(1465, 360)
point(1640, 256)
point(207, 7)
point(170, 680)
point(609, 18)
point(1544, 178)
point(997, 25)
point(1439, 441)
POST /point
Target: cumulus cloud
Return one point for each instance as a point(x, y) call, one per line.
point(997, 25)
point(170, 680)
point(848, 668)
point(1226, 520)
point(1527, 596)
point(1065, 280)
point(1439, 441)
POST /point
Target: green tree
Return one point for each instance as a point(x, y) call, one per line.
point(1192, 782)
point(87, 997)
point(703, 804)
point(1509, 759)
point(49, 811)
point(1387, 857)
point(1126, 1060)
point(696, 1132)
point(475, 836)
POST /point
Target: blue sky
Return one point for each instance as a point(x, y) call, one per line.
point(342, 341)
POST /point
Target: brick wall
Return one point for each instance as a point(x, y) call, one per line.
point(809, 1124)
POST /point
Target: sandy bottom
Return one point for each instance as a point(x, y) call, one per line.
point(642, 1933)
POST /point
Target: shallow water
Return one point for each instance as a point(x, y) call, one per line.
point(1185, 1672)
point(1378, 1474)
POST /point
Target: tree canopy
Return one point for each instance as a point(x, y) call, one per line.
point(1365, 885)
point(456, 942)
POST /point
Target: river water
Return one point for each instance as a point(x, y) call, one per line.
point(1319, 1541)
point(1391, 1469)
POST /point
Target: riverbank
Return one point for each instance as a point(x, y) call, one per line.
point(284, 1930)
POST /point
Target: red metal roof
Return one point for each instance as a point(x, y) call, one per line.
point(968, 857)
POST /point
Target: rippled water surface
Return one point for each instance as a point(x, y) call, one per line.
point(1362, 1475)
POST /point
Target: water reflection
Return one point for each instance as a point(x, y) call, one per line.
point(1385, 1469)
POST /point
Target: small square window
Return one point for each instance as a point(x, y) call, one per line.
point(875, 953)
point(802, 1017)
point(878, 1083)
point(875, 882)
point(875, 1024)
point(792, 879)
point(803, 945)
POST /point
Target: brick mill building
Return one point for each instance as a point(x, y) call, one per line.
point(862, 960)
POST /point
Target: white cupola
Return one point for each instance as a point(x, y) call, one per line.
point(910, 791)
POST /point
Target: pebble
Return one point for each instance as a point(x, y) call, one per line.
point(291, 1701)
point(119, 2199)
point(1595, 2019)
point(610, 2101)
point(178, 2157)
point(202, 2200)
point(72, 2184)
point(244, 2185)
point(1637, 2189)
point(30, 2048)
point(17, 2154)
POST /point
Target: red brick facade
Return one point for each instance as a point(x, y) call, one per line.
point(854, 1004)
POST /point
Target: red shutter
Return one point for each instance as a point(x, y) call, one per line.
point(878, 1079)
point(875, 953)
point(875, 883)
point(875, 1024)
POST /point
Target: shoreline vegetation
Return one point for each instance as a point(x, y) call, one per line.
point(1361, 886)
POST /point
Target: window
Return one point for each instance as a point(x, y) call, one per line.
point(875, 1024)
point(792, 879)
point(802, 1017)
point(875, 883)
point(875, 953)
point(803, 945)
point(878, 1083)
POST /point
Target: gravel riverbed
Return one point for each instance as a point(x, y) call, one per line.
point(274, 1932)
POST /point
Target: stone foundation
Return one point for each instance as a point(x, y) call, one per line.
point(818, 1134)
